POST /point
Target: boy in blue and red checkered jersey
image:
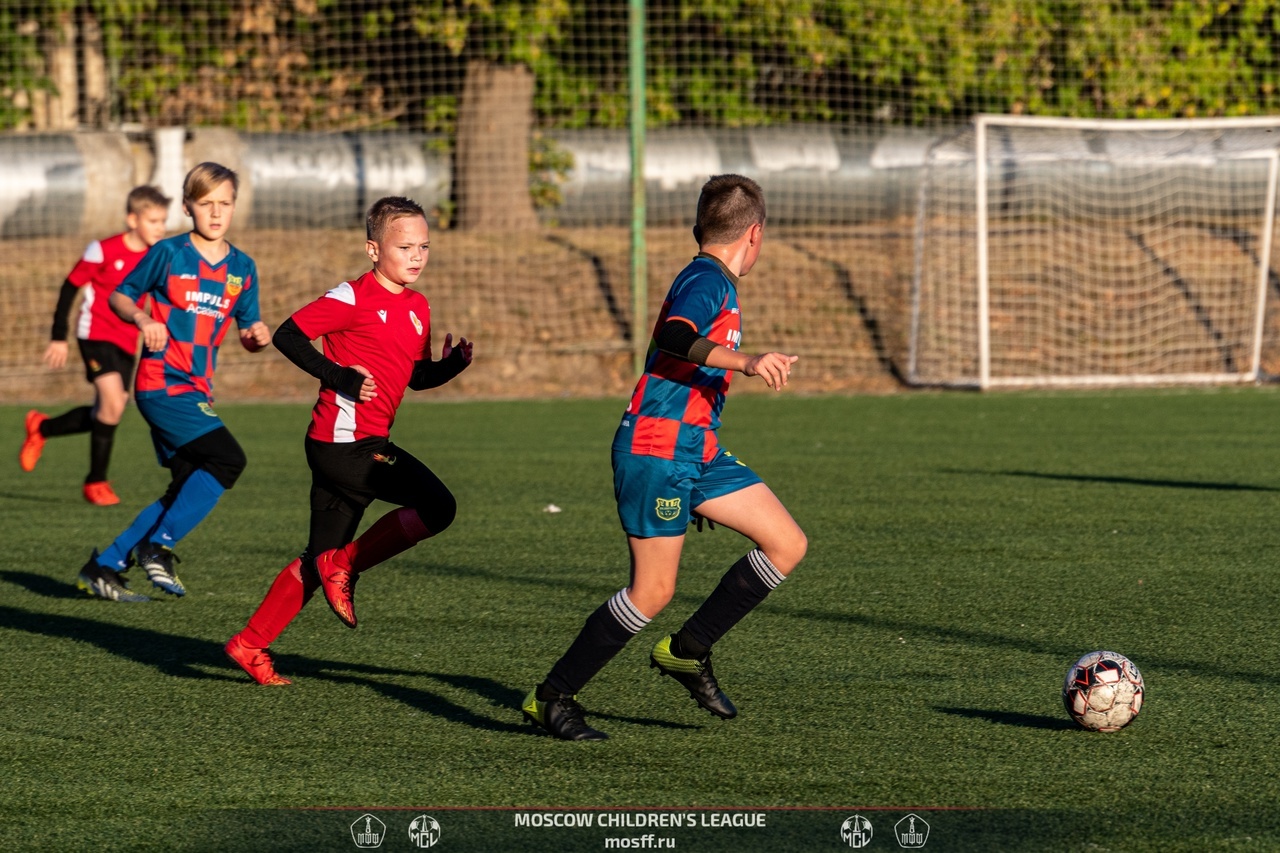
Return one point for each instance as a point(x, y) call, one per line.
point(198, 283)
point(107, 344)
point(669, 469)
point(376, 331)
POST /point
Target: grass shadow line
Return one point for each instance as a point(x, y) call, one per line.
point(1112, 480)
point(1009, 718)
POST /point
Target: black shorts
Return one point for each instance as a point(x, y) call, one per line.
point(347, 477)
point(101, 358)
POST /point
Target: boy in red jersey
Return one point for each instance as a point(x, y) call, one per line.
point(377, 343)
point(107, 343)
point(198, 283)
point(669, 469)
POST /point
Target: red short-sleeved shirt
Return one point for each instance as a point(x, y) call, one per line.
point(363, 323)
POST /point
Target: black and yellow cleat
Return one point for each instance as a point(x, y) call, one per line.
point(102, 582)
point(157, 560)
point(561, 717)
point(697, 677)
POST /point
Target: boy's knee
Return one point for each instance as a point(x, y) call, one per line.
point(651, 598)
point(439, 514)
point(227, 466)
point(787, 553)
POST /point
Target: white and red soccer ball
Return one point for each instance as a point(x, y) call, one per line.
point(1103, 691)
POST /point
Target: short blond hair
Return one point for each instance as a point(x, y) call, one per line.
point(142, 199)
point(386, 210)
point(727, 207)
point(205, 178)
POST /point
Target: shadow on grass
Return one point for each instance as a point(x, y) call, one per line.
point(45, 587)
point(190, 657)
point(1120, 481)
point(988, 639)
point(1006, 718)
point(30, 498)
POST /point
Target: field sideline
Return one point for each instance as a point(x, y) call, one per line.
point(964, 550)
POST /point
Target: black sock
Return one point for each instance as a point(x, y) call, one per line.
point(744, 586)
point(603, 635)
point(101, 438)
point(68, 423)
point(684, 646)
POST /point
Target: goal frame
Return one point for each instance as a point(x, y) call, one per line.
point(985, 380)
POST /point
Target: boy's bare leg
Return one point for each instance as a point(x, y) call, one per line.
point(756, 513)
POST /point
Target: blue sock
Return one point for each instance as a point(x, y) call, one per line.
point(196, 499)
point(117, 555)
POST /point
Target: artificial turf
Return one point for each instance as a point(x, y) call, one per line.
point(964, 550)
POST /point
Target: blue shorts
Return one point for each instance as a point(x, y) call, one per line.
point(656, 495)
point(175, 421)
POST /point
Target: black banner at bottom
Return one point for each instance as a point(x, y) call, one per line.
point(696, 829)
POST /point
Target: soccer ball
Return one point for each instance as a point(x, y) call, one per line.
point(1103, 691)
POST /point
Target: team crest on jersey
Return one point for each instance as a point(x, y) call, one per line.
point(235, 284)
point(119, 264)
point(207, 409)
point(417, 324)
point(668, 509)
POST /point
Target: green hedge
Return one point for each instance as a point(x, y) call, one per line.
point(333, 64)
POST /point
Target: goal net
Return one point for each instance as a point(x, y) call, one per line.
point(1054, 251)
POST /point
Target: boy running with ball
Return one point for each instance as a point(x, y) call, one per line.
point(669, 469)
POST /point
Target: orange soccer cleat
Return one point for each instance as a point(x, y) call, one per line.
point(34, 444)
point(256, 662)
point(339, 584)
point(100, 494)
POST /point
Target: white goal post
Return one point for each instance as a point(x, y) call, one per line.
point(1054, 251)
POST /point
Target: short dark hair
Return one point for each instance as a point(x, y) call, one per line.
point(143, 198)
point(205, 178)
point(727, 207)
point(387, 210)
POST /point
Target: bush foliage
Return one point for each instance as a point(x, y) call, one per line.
point(341, 64)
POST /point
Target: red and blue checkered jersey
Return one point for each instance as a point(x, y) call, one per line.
point(675, 409)
point(196, 301)
point(99, 271)
point(365, 324)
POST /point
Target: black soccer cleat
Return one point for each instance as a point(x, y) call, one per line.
point(561, 717)
point(158, 561)
point(102, 582)
point(697, 677)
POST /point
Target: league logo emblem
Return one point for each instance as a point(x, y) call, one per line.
point(668, 509)
point(417, 324)
point(856, 832)
point(235, 284)
point(424, 831)
point(367, 831)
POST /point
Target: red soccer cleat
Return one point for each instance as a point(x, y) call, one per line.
point(100, 494)
point(339, 584)
point(256, 662)
point(34, 444)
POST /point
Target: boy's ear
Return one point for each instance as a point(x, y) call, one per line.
point(371, 249)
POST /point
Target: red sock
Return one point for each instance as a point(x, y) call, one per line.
point(398, 530)
point(289, 593)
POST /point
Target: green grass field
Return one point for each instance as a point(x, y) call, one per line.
point(964, 550)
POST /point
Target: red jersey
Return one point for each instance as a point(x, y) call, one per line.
point(363, 323)
point(104, 265)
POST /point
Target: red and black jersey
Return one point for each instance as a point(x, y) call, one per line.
point(362, 323)
point(104, 265)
